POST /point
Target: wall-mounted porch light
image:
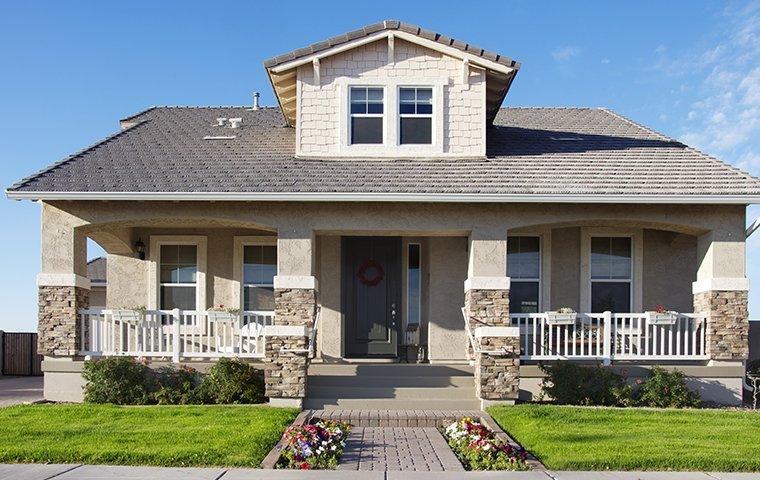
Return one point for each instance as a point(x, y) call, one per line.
point(140, 249)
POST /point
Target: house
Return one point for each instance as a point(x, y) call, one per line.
point(97, 275)
point(390, 201)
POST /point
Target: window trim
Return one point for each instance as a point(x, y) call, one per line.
point(239, 243)
point(432, 116)
point(541, 305)
point(637, 269)
point(545, 252)
point(156, 241)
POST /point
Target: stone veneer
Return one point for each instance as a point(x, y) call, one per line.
point(497, 377)
point(486, 308)
point(59, 326)
point(727, 323)
point(285, 375)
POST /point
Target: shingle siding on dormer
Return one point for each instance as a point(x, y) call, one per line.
point(319, 106)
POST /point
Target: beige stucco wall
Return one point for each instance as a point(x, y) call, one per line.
point(566, 268)
point(448, 271)
point(319, 104)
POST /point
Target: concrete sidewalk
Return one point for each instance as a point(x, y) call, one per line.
point(15, 390)
point(109, 472)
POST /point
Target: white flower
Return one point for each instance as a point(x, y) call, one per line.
point(333, 448)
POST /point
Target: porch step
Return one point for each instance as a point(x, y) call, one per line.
point(391, 387)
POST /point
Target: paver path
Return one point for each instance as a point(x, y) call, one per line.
point(397, 448)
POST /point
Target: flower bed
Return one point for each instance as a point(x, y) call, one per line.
point(478, 448)
point(315, 446)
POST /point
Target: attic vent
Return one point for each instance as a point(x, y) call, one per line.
point(567, 139)
point(220, 137)
point(235, 122)
point(220, 121)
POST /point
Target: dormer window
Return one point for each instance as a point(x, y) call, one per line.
point(416, 115)
point(366, 115)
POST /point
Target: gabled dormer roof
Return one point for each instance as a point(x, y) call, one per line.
point(500, 70)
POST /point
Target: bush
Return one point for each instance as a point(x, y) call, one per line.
point(117, 380)
point(232, 381)
point(665, 389)
point(178, 386)
point(571, 384)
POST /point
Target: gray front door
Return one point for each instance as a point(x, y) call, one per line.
point(371, 295)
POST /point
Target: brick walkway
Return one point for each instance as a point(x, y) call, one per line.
point(397, 448)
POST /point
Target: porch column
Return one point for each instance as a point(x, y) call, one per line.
point(721, 291)
point(497, 363)
point(63, 286)
point(295, 289)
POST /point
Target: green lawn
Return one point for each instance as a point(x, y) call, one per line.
point(154, 435)
point(587, 438)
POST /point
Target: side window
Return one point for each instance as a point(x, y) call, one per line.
point(179, 274)
point(366, 107)
point(416, 116)
point(414, 284)
point(259, 269)
point(524, 270)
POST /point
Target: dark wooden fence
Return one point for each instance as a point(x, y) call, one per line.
point(20, 354)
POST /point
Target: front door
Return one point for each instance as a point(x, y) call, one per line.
point(371, 295)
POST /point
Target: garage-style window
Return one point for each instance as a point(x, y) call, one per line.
point(524, 270)
point(611, 274)
point(366, 115)
point(179, 274)
point(416, 115)
point(259, 270)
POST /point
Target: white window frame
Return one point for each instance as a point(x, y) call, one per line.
point(240, 242)
point(156, 241)
point(367, 115)
point(431, 116)
point(637, 269)
point(408, 285)
point(391, 146)
point(540, 306)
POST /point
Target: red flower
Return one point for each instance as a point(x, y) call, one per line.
point(305, 466)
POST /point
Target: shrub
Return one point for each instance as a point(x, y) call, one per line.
point(232, 381)
point(178, 386)
point(117, 380)
point(314, 446)
point(571, 384)
point(666, 389)
point(477, 447)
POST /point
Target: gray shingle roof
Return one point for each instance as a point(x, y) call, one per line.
point(390, 25)
point(531, 151)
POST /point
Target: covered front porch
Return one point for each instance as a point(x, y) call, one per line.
point(287, 287)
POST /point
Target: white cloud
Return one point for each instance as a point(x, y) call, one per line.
point(605, 61)
point(565, 53)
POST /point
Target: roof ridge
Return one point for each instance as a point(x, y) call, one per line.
point(637, 125)
point(73, 156)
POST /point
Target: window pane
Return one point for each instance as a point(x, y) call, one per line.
point(259, 264)
point(523, 297)
point(186, 274)
point(610, 257)
point(366, 130)
point(186, 254)
point(258, 298)
point(416, 131)
point(406, 108)
point(168, 274)
point(524, 257)
point(169, 254)
point(177, 297)
point(414, 284)
point(612, 296)
point(406, 94)
point(424, 109)
point(375, 108)
point(359, 107)
point(375, 94)
point(424, 95)
point(358, 94)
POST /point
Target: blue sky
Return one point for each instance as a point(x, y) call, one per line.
point(70, 70)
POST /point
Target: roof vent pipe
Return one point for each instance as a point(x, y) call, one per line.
point(220, 121)
point(235, 122)
point(256, 100)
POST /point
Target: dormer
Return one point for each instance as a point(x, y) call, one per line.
point(390, 90)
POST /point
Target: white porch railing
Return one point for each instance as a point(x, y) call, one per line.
point(611, 336)
point(173, 333)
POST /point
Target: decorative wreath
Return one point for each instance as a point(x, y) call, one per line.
point(379, 273)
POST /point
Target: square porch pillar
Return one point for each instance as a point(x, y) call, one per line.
point(720, 293)
point(496, 354)
point(295, 302)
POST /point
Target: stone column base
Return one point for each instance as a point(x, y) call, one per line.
point(727, 323)
point(59, 327)
point(497, 365)
point(285, 375)
point(282, 402)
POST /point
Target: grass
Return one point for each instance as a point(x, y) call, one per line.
point(154, 435)
point(588, 438)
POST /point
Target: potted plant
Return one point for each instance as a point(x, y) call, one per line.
point(131, 316)
point(661, 316)
point(561, 316)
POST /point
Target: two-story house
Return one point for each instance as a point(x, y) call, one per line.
point(391, 209)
